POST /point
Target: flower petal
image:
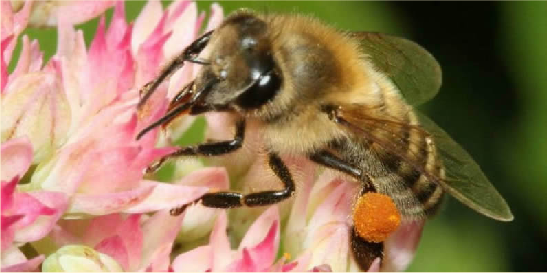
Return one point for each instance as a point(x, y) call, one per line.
point(159, 232)
point(219, 242)
point(13, 260)
point(183, 13)
point(36, 106)
point(16, 158)
point(216, 17)
point(199, 220)
point(245, 264)
point(45, 13)
point(42, 210)
point(3, 63)
point(401, 246)
point(107, 203)
point(30, 59)
point(13, 24)
point(195, 260)
point(145, 24)
point(114, 247)
point(263, 246)
point(166, 196)
point(79, 258)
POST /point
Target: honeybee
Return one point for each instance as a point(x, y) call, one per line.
point(342, 99)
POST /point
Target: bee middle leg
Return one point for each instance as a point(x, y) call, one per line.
point(235, 199)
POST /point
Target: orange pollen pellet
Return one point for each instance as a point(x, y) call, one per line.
point(375, 217)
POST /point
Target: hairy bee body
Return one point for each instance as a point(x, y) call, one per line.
point(322, 66)
point(342, 99)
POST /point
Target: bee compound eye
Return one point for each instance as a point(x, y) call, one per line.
point(263, 91)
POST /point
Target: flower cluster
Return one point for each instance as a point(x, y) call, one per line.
point(73, 192)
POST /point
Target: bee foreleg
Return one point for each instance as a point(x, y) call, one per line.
point(207, 149)
point(189, 54)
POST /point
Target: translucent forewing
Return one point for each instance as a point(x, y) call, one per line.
point(463, 177)
point(412, 69)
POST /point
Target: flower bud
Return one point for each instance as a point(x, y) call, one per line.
point(74, 258)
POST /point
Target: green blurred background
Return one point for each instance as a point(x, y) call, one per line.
point(493, 102)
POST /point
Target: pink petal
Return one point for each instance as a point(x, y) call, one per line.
point(99, 228)
point(42, 210)
point(219, 242)
point(336, 206)
point(8, 234)
point(28, 266)
point(199, 22)
point(199, 220)
point(165, 196)
point(131, 233)
point(36, 106)
point(4, 65)
point(8, 188)
point(257, 231)
point(107, 203)
point(114, 247)
point(150, 57)
point(159, 232)
point(72, 53)
point(264, 253)
point(298, 265)
point(195, 260)
point(30, 58)
point(216, 17)
point(75, 11)
point(117, 31)
point(7, 22)
point(322, 268)
point(145, 24)
point(8, 221)
point(16, 158)
point(13, 24)
point(182, 28)
point(329, 245)
point(245, 264)
point(401, 246)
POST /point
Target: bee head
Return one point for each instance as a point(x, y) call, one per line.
point(242, 65)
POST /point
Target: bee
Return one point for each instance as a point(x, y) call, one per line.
point(345, 100)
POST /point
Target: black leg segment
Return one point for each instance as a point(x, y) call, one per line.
point(329, 160)
point(207, 149)
point(273, 197)
point(189, 54)
point(226, 200)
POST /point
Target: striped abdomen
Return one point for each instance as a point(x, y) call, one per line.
point(407, 166)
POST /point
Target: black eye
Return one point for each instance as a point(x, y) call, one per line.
point(263, 91)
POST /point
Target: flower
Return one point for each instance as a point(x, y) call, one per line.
point(74, 121)
point(72, 183)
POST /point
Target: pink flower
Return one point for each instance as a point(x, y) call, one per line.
point(26, 216)
point(74, 119)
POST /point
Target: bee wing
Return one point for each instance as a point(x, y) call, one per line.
point(463, 179)
point(412, 69)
